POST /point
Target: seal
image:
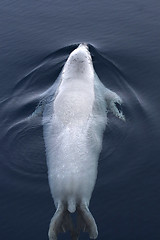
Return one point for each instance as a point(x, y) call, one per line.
point(74, 119)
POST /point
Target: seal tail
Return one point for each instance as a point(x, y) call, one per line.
point(62, 222)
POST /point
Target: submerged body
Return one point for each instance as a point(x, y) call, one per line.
point(73, 124)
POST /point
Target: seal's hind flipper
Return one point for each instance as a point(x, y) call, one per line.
point(86, 222)
point(55, 224)
point(61, 222)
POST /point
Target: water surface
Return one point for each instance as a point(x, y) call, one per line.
point(36, 37)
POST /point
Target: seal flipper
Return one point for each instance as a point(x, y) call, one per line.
point(39, 110)
point(61, 222)
point(115, 109)
point(114, 103)
point(86, 222)
point(55, 224)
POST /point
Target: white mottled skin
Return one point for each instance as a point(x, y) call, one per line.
point(73, 124)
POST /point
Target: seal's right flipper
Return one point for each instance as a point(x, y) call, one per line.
point(39, 110)
point(86, 222)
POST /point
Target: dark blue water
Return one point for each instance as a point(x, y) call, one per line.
point(36, 37)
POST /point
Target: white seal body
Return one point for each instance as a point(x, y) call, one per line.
point(70, 134)
point(73, 124)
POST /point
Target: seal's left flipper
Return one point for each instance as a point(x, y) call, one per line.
point(114, 104)
point(61, 222)
point(39, 110)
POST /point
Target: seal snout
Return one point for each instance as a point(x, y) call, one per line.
point(83, 45)
point(79, 62)
point(80, 56)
